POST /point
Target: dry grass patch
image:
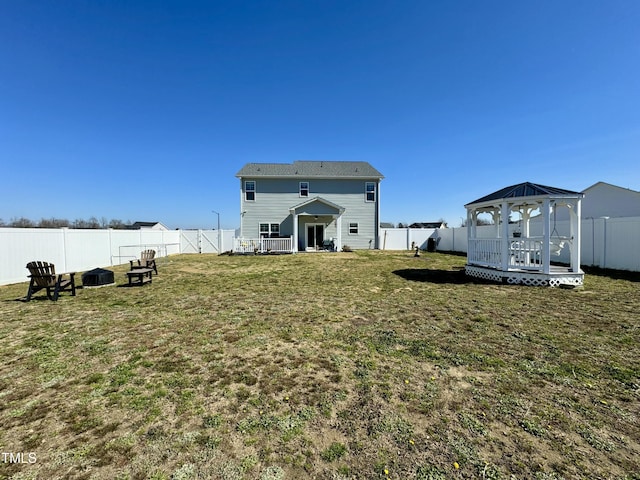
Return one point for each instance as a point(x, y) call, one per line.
point(347, 365)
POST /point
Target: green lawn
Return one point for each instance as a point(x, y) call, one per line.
point(338, 366)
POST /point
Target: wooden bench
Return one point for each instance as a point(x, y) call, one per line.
point(140, 276)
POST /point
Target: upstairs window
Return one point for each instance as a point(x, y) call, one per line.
point(250, 191)
point(304, 189)
point(370, 191)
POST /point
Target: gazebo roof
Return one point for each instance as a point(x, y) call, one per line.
point(526, 189)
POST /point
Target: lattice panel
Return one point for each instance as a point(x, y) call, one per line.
point(528, 279)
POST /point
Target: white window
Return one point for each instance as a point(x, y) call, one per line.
point(250, 191)
point(353, 229)
point(270, 230)
point(304, 189)
point(370, 191)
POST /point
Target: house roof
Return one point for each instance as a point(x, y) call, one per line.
point(139, 225)
point(610, 185)
point(526, 189)
point(309, 169)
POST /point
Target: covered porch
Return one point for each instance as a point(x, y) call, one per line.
point(522, 240)
point(317, 225)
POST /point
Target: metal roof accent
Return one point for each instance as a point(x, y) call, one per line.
point(310, 169)
point(526, 189)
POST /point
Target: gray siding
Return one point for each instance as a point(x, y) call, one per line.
point(275, 197)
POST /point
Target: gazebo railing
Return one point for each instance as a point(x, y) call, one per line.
point(523, 253)
point(485, 251)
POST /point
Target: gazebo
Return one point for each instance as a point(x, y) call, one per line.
point(522, 236)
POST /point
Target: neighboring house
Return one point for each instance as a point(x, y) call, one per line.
point(147, 226)
point(438, 224)
point(312, 202)
point(606, 200)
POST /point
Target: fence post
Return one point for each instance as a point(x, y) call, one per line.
point(64, 249)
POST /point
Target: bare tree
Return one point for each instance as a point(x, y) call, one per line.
point(21, 223)
point(117, 224)
point(53, 223)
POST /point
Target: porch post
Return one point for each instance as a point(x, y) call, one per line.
point(339, 229)
point(295, 232)
point(546, 236)
point(504, 218)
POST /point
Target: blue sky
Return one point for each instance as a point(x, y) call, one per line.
point(449, 100)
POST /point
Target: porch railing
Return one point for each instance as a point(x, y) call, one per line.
point(263, 245)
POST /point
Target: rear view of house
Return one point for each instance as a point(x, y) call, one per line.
point(314, 203)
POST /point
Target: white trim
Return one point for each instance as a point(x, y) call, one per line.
point(255, 188)
point(269, 224)
point(306, 233)
point(375, 192)
point(308, 189)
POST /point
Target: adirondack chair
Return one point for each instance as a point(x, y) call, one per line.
point(147, 260)
point(43, 276)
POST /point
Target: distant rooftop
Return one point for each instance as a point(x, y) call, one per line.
point(310, 169)
point(526, 189)
point(427, 224)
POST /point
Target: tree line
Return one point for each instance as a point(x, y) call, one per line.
point(91, 223)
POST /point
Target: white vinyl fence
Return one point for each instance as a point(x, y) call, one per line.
point(78, 250)
point(406, 238)
point(605, 242)
point(206, 241)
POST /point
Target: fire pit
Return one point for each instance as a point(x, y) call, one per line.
point(97, 277)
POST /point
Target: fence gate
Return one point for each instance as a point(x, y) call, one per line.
point(209, 241)
point(189, 241)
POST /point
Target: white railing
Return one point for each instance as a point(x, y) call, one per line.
point(525, 253)
point(485, 251)
point(262, 245)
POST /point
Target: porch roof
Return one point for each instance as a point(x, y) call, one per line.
point(526, 189)
point(323, 202)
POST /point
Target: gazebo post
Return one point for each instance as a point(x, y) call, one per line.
point(546, 236)
point(504, 218)
point(574, 215)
